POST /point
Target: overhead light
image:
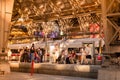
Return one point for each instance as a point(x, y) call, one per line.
point(62, 6)
point(82, 2)
point(61, 33)
point(20, 20)
point(59, 3)
point(41, 6)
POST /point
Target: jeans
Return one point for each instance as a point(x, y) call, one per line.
point(32, 56)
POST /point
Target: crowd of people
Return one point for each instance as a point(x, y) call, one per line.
point(27, 55)
point(83, 56)
point(86, 55)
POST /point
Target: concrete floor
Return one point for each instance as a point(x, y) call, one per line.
point(27, 76)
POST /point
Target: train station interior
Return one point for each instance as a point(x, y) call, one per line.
point(82, 36)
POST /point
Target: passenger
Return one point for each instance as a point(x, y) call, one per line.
point(21, 57)
point(83, 55)
point(73, 57)
point(40, 54)
point(68, 59)
point(62, 57)
point(59, 60)
point(32, 51)
point(9, 54)
point(53, 57)
point(36, 57)
point(65, 55)
point(88, 54)
point(56, 51)
point(25, 55)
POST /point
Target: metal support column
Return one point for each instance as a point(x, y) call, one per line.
point(110, 15)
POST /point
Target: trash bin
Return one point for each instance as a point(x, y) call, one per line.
point(98, 60)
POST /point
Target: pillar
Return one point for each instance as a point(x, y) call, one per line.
point(6, 7)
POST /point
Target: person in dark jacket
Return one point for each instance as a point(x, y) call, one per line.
point(32, 51)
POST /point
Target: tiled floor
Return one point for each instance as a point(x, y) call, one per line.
point(27, 76)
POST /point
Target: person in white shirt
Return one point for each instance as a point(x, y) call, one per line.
point(88, 50)
point(83, 55)
point(9, 54)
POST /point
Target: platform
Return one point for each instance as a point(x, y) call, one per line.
point(4, 65)
point(109, 74)
point(86, 71)
point(27, 76)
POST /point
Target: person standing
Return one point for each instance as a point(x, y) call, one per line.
point(73, 57)
point(40, 53)
point(25, 55)
point(88, 54)
point(9, 54)
point(21, 55)
point(83, 55)
point(32, 51)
